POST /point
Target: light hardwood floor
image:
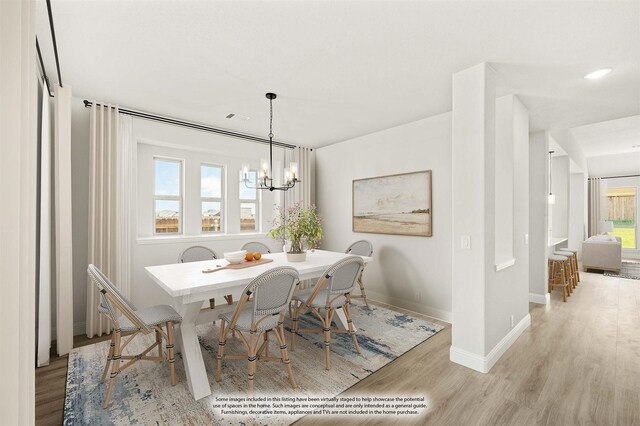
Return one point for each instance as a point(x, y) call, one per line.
point(578, 363)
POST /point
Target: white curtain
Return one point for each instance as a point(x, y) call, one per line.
point(109, 206)
point(63, 219)
point(302, 192)
point(44, 242)
point(597, 204)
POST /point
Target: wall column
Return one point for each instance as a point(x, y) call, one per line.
point(490, 164)
point(473, 130)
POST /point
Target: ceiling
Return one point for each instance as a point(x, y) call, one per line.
point(342, 68)
point(609, 137)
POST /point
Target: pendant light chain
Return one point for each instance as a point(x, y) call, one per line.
point(270, 119)
point(267, 178)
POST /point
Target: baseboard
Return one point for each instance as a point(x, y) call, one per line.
point(411, 306)
point(484, 363)
point(542, 299)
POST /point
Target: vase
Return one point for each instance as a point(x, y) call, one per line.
point(297, 257)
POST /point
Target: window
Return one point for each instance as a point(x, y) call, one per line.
point(249, 220)
point(211, 186)
point(168, 196)
point(621, 210)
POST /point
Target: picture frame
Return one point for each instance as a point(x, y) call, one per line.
point(398, 204)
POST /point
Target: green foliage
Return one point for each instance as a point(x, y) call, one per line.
point(302, 226)
point(624, 222)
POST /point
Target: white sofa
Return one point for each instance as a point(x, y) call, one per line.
point(602, 252)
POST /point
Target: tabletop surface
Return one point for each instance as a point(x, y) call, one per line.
point(180, 279)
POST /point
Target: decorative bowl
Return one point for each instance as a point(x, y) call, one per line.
point(235, 256)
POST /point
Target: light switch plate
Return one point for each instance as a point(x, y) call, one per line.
point(465, 242)
point(526, 239)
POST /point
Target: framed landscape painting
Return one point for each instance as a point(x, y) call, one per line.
point(396, 204)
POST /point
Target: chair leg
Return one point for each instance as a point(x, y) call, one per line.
point(159, 343)
point(326, 331)
point(364, 296)
point(170, 353)
point(115, 366)
point(229, 299)
point(564, 294)
point(266, 343)
point(251, 367)
point(294, 326)
point(284, 354)
point(352, 332)
point(221, 343)
point(109, 358)
point(550, 275)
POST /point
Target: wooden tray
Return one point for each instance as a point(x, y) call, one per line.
point(242, 265)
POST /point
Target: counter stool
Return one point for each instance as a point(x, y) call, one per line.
point(558, 268)
point(575, 262)
point(570, 272)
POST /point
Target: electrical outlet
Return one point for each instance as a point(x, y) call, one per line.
point(465, 242)
point(512, 321)
point(526, 239)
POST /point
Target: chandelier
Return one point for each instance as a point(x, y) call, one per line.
point(266, 179)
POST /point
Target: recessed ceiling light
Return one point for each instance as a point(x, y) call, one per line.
point(598, 74)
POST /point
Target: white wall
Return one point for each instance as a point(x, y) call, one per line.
point(410, 272)
point(538, 212)
point(615, 165)
point(504, 155)
point(507, 291)
point(560, 188)
point(577, 222)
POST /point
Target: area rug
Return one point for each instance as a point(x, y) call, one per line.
point(630, 270)
point(143, 393)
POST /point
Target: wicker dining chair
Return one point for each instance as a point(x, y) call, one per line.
point(198, 254)
point(129, 321)
point(263, 314)
point(361, 248)
point(330, 293)
point(255, 246)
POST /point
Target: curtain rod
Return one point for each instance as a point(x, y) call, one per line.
point(55, 44)
point(191, 125)
point(44, 71)
point(614, 177)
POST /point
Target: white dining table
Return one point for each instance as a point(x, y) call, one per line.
point(189, 287)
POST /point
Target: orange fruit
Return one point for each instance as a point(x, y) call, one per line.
point(257, 255)
point(248, 257)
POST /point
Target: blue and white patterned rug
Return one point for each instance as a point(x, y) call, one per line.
point(143, 393)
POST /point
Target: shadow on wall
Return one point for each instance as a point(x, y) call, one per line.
point(400, 276)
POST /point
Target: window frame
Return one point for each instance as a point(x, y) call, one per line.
point(636, 214)
point(257, 201)
point(179, 198)
point(221, 200)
